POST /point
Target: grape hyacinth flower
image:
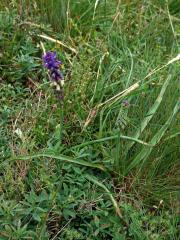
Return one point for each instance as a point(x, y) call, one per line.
point(53, 65)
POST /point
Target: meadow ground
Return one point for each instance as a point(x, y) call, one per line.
point(103, 162)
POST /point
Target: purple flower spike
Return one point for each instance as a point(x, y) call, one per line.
point(51, 62)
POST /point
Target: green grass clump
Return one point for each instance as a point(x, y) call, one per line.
point(104, 164)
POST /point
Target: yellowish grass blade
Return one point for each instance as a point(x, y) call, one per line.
point(58, 42)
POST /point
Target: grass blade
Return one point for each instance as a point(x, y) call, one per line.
point(150, 113)
point(111, 138)
point(57, 42)
point(117, 209)
point(59, 157)
point(145, 152)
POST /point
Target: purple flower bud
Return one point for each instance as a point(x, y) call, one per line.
point(125, 103)
point(56, 74)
